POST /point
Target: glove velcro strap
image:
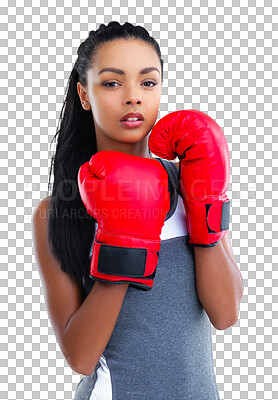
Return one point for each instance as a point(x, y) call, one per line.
point(118, 261)
point(218, 216)
point(121, 261)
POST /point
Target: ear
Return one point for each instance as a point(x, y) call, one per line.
point(83, 96)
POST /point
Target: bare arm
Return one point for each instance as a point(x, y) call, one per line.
point(219, 283)
point(82, 329)
point(89, 329)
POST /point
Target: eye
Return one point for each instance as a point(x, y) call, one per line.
point(109, 84)
point(113, 83)
point(153, 83)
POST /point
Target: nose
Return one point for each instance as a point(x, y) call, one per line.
point(132, 100)
point(131, 95)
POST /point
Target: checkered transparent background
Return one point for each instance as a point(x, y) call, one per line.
point(220, 60)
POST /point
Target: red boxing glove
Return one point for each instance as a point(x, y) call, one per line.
point(199, 143)
point(128, 196)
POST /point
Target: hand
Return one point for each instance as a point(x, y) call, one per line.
point(128, 196)
point(199, 143)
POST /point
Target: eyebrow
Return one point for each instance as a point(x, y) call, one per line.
point(120, 72)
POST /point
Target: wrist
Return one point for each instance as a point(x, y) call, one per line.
point(207, 223)
point(117, 264)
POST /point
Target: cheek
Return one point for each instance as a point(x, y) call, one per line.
point(101, 98)
point(156, 98)
point(156, 103)
point(102, 107)
point(105, 101)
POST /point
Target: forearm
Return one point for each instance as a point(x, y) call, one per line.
point(90, 327)
point(219, 284)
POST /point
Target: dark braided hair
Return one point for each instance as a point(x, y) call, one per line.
point(70, 228)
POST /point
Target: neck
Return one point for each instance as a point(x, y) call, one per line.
point(137, 149)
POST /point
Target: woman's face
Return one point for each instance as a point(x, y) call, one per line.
point(112, 95)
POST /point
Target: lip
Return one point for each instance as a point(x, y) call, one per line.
point(133, 115)
point(131, 124)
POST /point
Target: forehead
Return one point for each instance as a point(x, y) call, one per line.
point(125, 54)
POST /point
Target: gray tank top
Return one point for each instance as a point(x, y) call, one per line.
point(161, 346)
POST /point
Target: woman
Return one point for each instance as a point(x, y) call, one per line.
point(128, 343)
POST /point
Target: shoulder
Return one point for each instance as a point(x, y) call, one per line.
point(49, 267)
point(39, 221)
point(39, 231)
point(47, 263)
point(53, 279)
point(43, 205)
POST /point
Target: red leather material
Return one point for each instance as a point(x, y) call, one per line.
point(129, 197)
point(199, 143)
